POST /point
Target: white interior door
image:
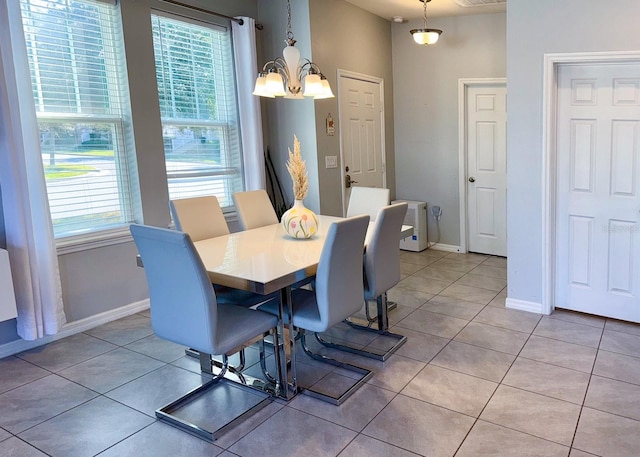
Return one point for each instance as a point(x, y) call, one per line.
point(598, 168)
point(361, 133)
point(486, 174)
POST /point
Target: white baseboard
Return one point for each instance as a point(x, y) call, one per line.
point(445, 247)
point(72, 328)
point(524, 305)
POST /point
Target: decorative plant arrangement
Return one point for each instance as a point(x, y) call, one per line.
point(299, 221)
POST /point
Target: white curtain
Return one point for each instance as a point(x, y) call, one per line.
point(29, 233)
point(244, 47)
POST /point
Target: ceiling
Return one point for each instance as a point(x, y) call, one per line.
point(413, 9)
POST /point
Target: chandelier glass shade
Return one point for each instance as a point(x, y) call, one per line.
point(285, 76)
point(425, 36)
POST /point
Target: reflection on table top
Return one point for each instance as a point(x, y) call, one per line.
point(265, 259)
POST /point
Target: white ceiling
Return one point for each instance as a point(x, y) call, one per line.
point(412, 9)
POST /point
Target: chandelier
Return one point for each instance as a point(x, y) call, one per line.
point(424, 35)
point(283, 76)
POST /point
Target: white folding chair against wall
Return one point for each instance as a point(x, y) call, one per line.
point(184, 310)
point(367, 200)
point(381, 273)
point(202, 218)
point(338, 294)
point(254, 209)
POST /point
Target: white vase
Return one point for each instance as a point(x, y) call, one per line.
point(300, 221)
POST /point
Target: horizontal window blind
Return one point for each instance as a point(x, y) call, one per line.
point(198, 105)
point(78, 78)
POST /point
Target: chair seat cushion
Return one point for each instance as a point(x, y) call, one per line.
point(237, 325)
point(305, 310)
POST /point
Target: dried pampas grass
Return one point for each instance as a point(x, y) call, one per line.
point(298, 171)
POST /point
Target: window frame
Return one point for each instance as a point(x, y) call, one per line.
point(102, 234)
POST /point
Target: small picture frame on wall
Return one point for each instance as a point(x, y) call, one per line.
point(331, 129)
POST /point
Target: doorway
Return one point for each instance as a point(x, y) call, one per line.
point(361, 120)
point(592, 189)
point(483, 165)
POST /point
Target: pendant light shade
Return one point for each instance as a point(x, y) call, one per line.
point(284, 76)
point(326, 89)
point(261, 86)
point(275, 84)
point(425, 36)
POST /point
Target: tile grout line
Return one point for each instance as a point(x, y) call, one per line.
point(586, 391)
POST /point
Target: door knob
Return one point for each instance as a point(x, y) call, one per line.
point(472, 179)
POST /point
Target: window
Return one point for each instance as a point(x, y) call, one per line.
point(198, 105)
point(74, 49)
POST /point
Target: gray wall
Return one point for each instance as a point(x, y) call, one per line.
point(324, 30)
point(348, 38)
point(102, 279)
point(106, 278)
point(284, 118)
point(426, 107)
point(536, 28)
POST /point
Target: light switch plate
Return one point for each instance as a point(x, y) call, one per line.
point(331, 161)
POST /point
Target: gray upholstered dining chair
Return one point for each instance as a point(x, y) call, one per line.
point(200, 217)
point(367, 200)
point(338, 294)
point(184, 310)
point(381, 273)
point(254, 209)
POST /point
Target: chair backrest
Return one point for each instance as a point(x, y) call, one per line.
point(183, 303)
point(367, 200)
point(254, 209)
point(382, 256)
point(339, 286)
point(200, 217)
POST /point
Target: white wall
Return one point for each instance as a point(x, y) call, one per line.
point(533, 29)
point(426, 107)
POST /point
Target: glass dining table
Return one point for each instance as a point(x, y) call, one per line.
point(265, 260)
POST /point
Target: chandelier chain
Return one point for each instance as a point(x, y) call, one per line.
point(425, 14)
point(289, 32)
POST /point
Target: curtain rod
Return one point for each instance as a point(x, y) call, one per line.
point(202, 10)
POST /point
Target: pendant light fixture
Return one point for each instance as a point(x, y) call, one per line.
point(424, 35)
point(284, 76)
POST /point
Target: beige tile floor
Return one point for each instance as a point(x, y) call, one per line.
point(473, 379)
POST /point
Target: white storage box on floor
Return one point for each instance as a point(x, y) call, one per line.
point(416, 217)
